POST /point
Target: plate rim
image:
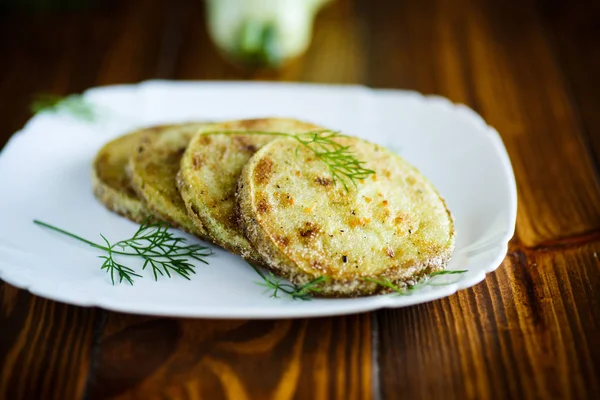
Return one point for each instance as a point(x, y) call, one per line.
point(499, 247)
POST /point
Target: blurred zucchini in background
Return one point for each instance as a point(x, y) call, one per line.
point(262, 33)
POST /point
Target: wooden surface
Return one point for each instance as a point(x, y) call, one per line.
point(530, 330)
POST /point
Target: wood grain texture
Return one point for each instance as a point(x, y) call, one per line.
point(45, 347)
point(574, 31)
point(64, 53)
point(164, 358)
point(189, 359)
point(527, 331)
point(328, 358)
point(495, 57)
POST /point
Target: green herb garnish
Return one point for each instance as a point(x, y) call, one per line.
point(343, 164)
point(306, 291)
point(409, 289)
point(388, 284)
point(274, 283)
point(154, 243)
point(447, 272)
point(74, 105)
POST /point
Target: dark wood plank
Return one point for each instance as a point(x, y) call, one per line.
point(45, 347)
point(323, 358)
point(529, 331)
point(144, 358)
point(65, 53)
point(574, 29)
point(495, 57)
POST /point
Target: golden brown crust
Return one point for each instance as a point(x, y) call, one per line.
point(110, 182)
point(394, 226)
point(132, 209)
point(153, 168)
point(209, 171)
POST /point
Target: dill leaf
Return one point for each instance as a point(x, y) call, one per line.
point(424, 281)
point(447, 272)
point(296, 292)
point(152, 242)
point(343, 165)
point(74, 105)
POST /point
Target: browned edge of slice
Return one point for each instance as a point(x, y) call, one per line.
point(110, 182)
point(279, 262)
point(216, 214)
point(152, 175)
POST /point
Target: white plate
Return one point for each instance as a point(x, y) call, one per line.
point(45, 174)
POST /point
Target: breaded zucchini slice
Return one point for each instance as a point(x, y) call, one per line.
point(394, 225)
point(209, 172)
point(153, 167)
point(110, 181)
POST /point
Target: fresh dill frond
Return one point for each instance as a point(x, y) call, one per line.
point(276, 285)
point(74, 105)
point(447, 272)
point(306, 291)
point(343, 165)
point(388, 284)
point(424, 281)
point(154, 243)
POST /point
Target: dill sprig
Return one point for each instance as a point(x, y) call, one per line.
point(447, 272)
point(275, 284)
point(154, 243)
point(343, 165)
point(306, 291)
point(74, 105)
point(409, 289)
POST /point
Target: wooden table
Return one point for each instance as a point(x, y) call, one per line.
point(531, 330)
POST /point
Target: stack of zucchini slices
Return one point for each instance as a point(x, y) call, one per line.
point(266, 190)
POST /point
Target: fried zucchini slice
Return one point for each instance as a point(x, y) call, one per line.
point(153, 167)
point(392, 226)
point(109, 178)
point(209, 172)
